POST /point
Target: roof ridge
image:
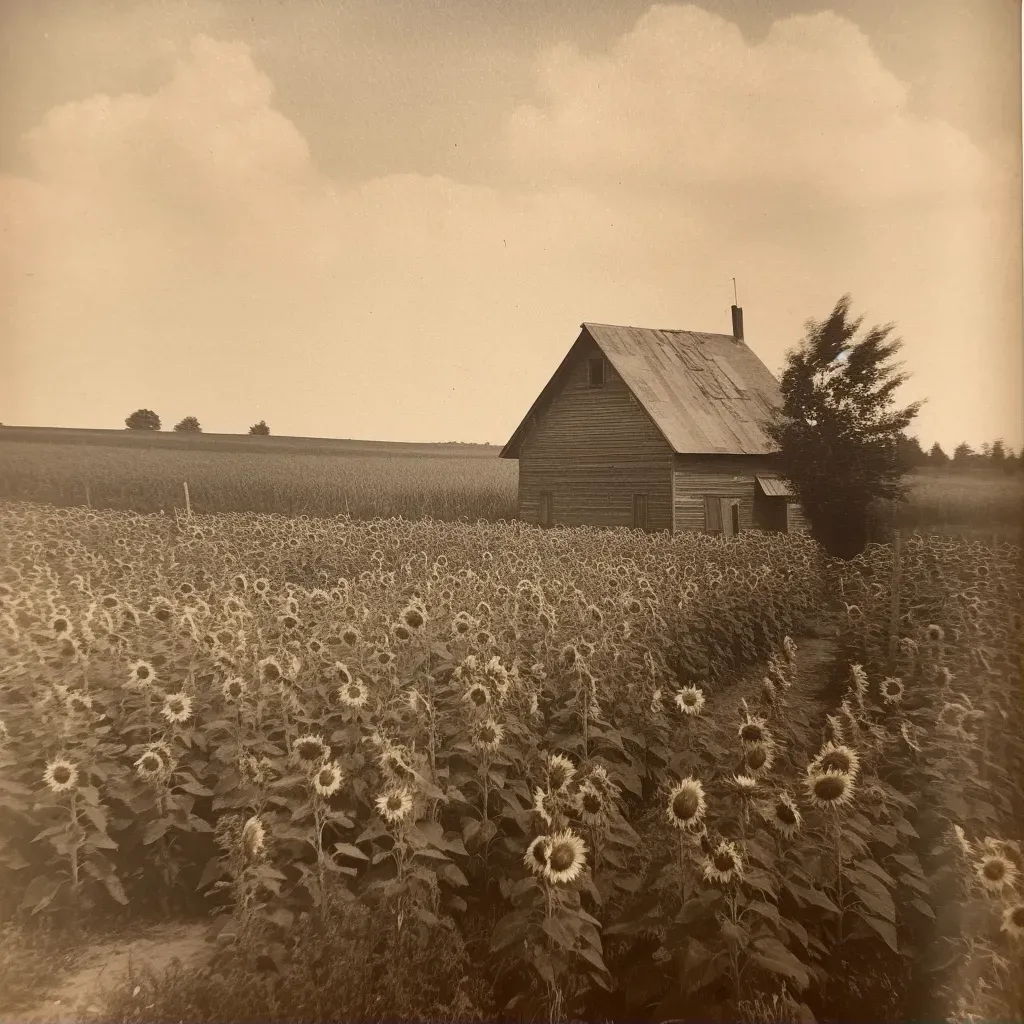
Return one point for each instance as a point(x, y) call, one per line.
point(661, 330)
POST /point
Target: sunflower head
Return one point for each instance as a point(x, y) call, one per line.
point(61, 775)
point(830, 788)
point(561, 771)
point(566, 857)
point(310, 750)
point(723, 864)
point(150, 765)
point(837, 757)
point(686, 804)
point(786, 819)
point(537, 855)
point(995, 872)
point(488, 734)
point(758, 758)
point(1013, 921)
point(690, 700)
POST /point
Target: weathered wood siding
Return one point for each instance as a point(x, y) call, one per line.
point(593, 449)
point(699, 477)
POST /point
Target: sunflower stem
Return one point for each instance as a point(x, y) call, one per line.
point(839, 876)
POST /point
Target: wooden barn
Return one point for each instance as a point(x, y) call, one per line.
point(656, 430)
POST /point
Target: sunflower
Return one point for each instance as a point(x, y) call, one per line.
point(561, 772)
point(327, 779)
point(891, 690)
point(141, 673)
point(829, 788)
point(836, 757)
point(759, 758)
point(786, 819)
point(150, 765)
point(540, 805)
point(538, 854)
point(477, 695)
point(590, 803)
point(566, 857)
point(754, 731)
point(310, 749)
point(394, 805)
point(1013, 921)
point(935, 633)
point(600, 780)
point(860, 679)
point(177, 708)
point(996, 871)
point(723, 864)
point(233, 688)
point(414, 617)
point(254, 839)
point(488, 734)
point(401, 632)
point(690, 700)
point(61, 775)
point(744, 784)
point(353, 694)
point(686, 803)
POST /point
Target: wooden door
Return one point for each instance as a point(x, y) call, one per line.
point(639, 511)
point(729, 516)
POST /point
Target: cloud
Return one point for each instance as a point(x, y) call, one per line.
point(684, 101)
point(179, 248)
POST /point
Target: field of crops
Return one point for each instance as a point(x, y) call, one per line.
point(318, 477)
point(354, 481)
point(425, 770)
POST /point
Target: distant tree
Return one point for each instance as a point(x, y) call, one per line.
point(838, 430)
point(910, 453)
point(143, 419)
point(189, 425)
point(963, 454)
point(936, 456)
point(998, 452)
point(260, 428)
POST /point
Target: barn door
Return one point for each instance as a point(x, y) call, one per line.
point(639, 511)
point(729, 513)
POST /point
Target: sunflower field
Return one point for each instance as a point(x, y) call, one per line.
point(584, 766)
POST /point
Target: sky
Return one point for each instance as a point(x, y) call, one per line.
point(387, 219)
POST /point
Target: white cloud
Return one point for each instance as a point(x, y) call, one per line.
point(684, 100)
point(186, 253)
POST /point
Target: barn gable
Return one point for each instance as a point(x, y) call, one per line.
point(707, 394)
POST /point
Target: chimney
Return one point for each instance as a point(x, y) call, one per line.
point(737, 323)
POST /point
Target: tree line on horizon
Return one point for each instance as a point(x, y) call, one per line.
point(146, 419)
point(994, 455)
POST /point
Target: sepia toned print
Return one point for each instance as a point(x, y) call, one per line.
point(511, 511)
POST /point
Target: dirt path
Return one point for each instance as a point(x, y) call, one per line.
point(105, 964)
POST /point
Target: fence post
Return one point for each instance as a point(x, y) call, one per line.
point(88, 497)
point(188, 504)
point(894, 600)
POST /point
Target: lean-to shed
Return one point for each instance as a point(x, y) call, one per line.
point(654, 429)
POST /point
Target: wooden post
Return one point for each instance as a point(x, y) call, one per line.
point(88, 497)
point(894, 600)
point(188, 504)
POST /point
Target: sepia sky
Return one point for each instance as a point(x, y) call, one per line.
point(387, 218)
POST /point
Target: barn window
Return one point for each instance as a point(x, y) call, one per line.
point(639, 511)
point(596, 372)
point(545, 508)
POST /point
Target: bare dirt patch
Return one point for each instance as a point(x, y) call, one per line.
point(98, 967)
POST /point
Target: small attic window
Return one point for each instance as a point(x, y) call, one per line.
point(595, 375)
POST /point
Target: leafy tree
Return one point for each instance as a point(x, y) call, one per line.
point(998, 452)
point(937, 456)
point(963, 454)
point(189, 425)
point(143, 419)
point(838, 430)
point(260, 428)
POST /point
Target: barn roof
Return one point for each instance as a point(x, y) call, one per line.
point(708, 394)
